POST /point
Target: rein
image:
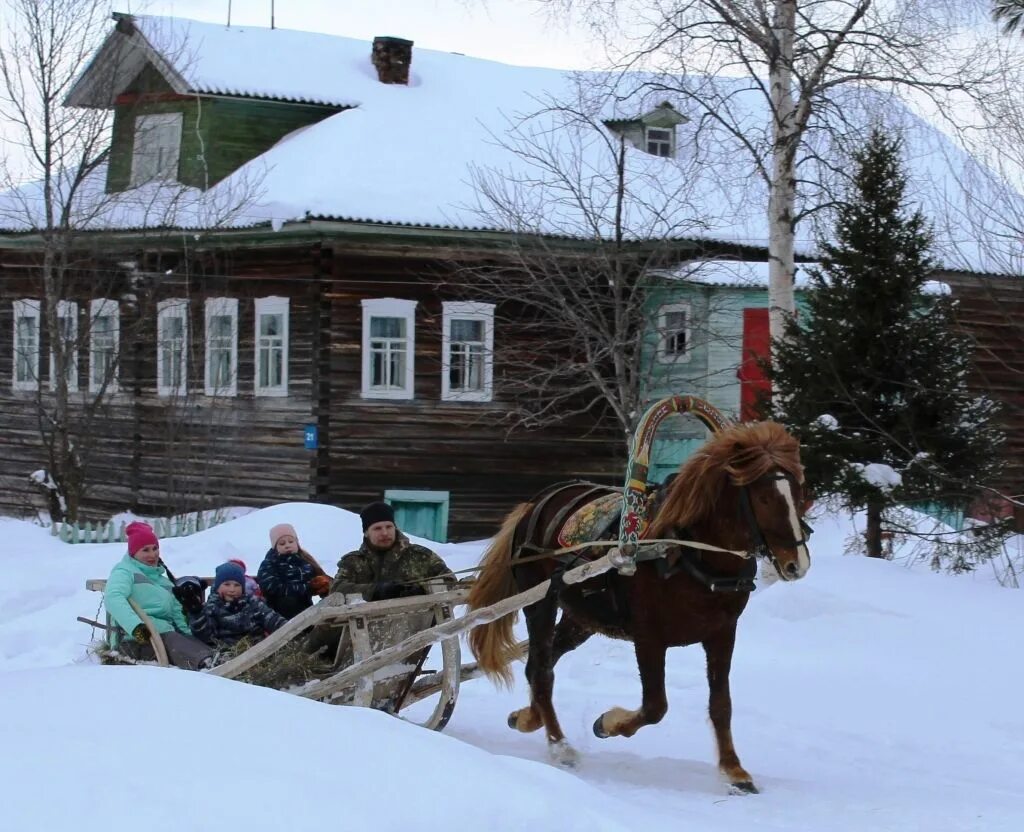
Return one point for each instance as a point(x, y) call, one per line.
point(761, 547)
point(603, 544)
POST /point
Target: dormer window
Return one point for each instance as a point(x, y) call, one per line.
point(653, 132)
point(660, 141)
point(156, 148)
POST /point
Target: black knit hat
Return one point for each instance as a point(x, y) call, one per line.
point(377, 513)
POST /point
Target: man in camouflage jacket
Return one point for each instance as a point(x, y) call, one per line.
point(386, 565)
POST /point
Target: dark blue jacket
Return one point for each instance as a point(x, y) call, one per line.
point(284, 580)
point(226, 622)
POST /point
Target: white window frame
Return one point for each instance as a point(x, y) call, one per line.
point(150, 131)
point(389, 308)
point(66, 310)
point(221, 307)
point(26, 309)
point(671, 141)
point(104, 308)
point(271, 306)
point(663, 354)
point(463, 311)
point(166, 309)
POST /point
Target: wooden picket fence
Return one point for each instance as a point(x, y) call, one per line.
point(111, 533)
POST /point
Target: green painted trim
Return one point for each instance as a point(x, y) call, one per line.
point(261, 235)
point(440, 498)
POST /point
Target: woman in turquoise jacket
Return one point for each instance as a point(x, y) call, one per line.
point(142, 578)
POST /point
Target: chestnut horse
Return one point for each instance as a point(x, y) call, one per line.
point(742, 491)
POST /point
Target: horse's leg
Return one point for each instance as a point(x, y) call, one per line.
point(619, 722)
point(719, 655)
point(569, 634)
point(540, 623)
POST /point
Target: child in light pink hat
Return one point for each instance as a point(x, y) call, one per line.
point(289, 576)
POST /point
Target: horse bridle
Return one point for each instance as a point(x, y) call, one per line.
point(761, 548)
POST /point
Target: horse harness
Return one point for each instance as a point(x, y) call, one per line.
point(687, 559)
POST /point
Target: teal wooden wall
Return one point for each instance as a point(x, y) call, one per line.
point(716, 342)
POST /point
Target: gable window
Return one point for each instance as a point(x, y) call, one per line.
point(67, 340)
point(389, 343)
point(221, 374)
point(271, 347)
point(172, 343)
point(156, 147)
point(26, 345)
point(660, 141)
point(674, 332)
point(467, 351)
point(104, 331)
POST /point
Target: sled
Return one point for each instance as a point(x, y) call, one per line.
point(364, 630)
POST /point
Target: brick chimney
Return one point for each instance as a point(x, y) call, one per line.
point(391, 57)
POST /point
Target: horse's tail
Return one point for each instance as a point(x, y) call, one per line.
point(493, 643)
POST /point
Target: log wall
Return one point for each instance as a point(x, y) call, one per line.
point(155, 453)
point(991, 310)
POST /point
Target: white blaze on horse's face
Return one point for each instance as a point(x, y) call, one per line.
point(793, 571)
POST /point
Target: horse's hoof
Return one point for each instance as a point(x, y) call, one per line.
point(599, 731)
point(743, 787)
point(564, 755)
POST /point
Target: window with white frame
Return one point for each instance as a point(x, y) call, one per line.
point(674, 332)
point(156, 147)
point(660, 141)
point(467, 351)
point(271, 347)
point(389, 345)
point(172, 347)
point(221, 376)
point(65, 340)
point(26, 345)
point(104, 332)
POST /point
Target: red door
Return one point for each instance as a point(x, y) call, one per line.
point(756, 343)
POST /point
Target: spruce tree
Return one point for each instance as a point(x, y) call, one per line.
point(872, 375)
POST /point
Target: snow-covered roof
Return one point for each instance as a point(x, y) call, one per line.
point(753, 274)
point(425, 154)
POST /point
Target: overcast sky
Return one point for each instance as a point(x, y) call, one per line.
point(513, 31)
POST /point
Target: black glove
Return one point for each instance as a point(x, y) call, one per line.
point(141, 634)
point(384, 590)
point(411, 590)
point(189, 592)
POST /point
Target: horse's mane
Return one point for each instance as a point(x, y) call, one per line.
point(739, 454)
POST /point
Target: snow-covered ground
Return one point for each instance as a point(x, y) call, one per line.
point(868, 696)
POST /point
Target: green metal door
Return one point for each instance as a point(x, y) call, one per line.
point(421, 513)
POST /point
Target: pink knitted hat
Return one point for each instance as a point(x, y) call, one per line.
point(280, 530)
point(139, 535)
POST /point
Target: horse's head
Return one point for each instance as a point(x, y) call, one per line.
point(744, 489)
point(773, 508)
